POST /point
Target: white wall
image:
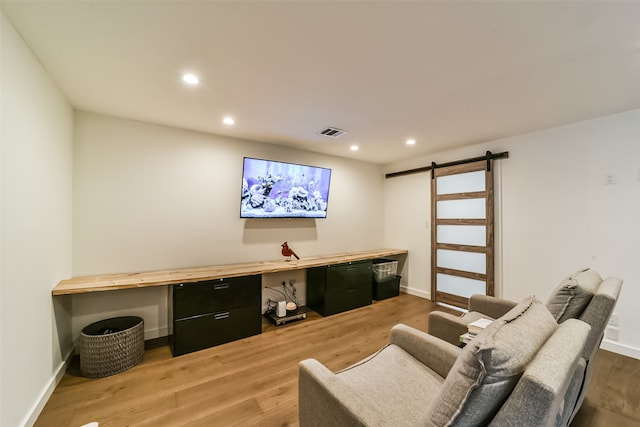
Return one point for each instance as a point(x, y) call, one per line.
point(407, 223)
point(150, 197)
point(35, 230)
point(557, 215)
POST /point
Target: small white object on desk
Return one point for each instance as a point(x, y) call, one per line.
point(282, 309)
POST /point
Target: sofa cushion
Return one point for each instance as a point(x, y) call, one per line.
point(573, 294)
point(489, 366)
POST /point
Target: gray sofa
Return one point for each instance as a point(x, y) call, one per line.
point(517, 371)
point(583, 295)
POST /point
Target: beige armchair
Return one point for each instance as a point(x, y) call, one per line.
point(583, 295)
point(418, 379)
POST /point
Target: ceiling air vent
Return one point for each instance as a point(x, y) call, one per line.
point(332, 132)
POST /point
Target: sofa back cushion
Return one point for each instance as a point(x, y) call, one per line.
point(488, 368)
point(573, 294)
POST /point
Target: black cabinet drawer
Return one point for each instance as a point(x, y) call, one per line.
point(192, 299)
point(207, 330)
point(337, 288)
point(347, 287)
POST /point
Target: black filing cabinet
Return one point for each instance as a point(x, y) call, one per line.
point(208, 313)
point(336, 288)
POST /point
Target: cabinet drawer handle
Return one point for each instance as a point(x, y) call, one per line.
point(220, 286)
point(350, 268)
point(220, 316)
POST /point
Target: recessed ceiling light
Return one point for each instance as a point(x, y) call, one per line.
point(191, 79)
point(228, 121)
point(354, 148)
point(411, 141)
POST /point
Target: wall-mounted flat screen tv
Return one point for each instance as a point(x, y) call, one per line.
point(273, 189)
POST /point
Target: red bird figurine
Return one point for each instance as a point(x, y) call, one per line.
point(287, 251)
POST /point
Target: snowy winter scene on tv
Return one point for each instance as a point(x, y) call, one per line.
point(273, 189)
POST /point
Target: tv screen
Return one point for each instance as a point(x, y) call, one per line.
point(273, 189)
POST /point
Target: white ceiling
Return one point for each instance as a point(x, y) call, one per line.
point(447, 73)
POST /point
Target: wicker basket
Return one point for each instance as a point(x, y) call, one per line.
point(111, 346)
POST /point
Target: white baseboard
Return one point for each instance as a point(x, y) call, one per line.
point(47, 391)
point(417, 292)
point(622, 349)
point(150, 334)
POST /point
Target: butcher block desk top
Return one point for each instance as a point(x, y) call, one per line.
point(112, 282)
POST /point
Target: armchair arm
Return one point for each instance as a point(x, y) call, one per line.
point(446, 326)
point(491, 306)
point(431, 351)
point(325, 400)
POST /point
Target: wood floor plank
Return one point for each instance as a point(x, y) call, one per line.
point(117, 415)
point(605, 418)
point(254, 381)
point(205, 416)
point(621, 393)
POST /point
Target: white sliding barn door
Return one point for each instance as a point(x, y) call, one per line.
point(462, 245)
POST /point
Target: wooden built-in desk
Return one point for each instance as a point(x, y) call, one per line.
point(112, 282)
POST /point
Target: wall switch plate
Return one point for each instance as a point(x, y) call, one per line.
point(612, 333)
point(609, 179)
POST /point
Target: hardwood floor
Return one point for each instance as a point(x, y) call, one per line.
point(613, 398)
point(254, 381)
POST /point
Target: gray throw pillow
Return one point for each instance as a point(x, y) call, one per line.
point(573, 294)
point(488, 368)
